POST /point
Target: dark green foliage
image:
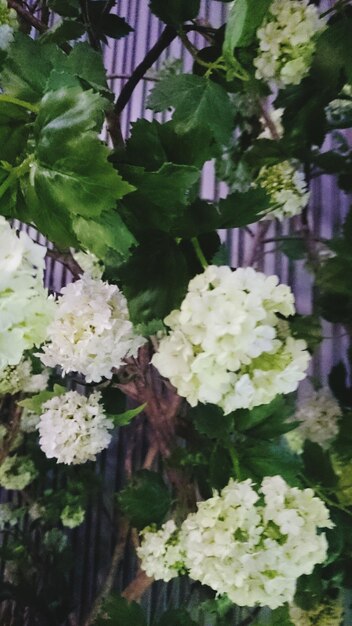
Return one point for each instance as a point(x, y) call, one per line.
point(146, 500)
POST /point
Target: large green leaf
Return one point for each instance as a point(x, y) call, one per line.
point(210, 420)
point(107, 236)
point(64, 30)
point(198, 103)
point(83, 66)
point(14, 131)
point(175, 11)
point(245, 16)
point(22, 77)
point(176, 617)
point(155, 278)
point(146, 500)
point(70, 173)
point(269, 459)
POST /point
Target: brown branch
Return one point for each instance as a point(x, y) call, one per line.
point(256, 243)
point(109, 581)
point(269, 122)
point(137, 587)
point(30, 19)
point(166, 38)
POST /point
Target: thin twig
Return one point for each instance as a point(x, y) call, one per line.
point(166, 38)
point(256, 242)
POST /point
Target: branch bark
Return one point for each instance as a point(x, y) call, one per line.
point(137, 587)
point(30, 19)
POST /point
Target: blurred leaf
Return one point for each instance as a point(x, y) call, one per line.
point(116, 611)
point(210, 420)
point(317, 465)
point(14, 131)
point(307, 327)
point(310, 590)
point(240, 209)
point(269, 459)
point(146, 499)
point(295, 249)
point(175, 12)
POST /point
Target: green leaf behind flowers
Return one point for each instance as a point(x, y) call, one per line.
point(146, 499)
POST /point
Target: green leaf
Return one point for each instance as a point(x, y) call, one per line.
point(210, 420)
point(153, 289)
point(67, 8)
point(14, 131)
point(278, 617)
point(106, 236)
point(176, 617)
point(146, 499)
point(245, 17)
point(198, 103)
point(122, 419)
point(116, 611)
point(64, 30)
point(317, 465)
point(307, 327)
point(269, 459)
point(35, 402)
point(310, 590)
point(246, 418)
point(113, 26)
point(83, 66)
point(21, 77)
point(240, 209)
point(175, 11)
point(220, 467)
point(70, 173)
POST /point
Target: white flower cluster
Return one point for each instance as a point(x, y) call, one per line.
point(161, 553)
point(286, 188)
point(91, 333)
point(16, 472)
point(89, 263)
point(287, 40)
point(25, 309)
point(15, 378)
point(319, 415)
point(251, 549)
point(8, 24)
point(328, 613)
point(72, 515)
point(226, 344)
point(73, 428)
point(276, 120)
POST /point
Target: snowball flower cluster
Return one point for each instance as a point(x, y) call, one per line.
point(73, 428)
point(227, 345)
point(286, 188)
point(16, 472)
point(91, 333)
point(72, 515)
point(328, 613)
point(8, 23)
point(25, 309)
point(252, 550)
point(15, 378)
point(161, 553)
point(287, 41)
point(319, 415)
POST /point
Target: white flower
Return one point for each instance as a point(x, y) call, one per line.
point(160, 552)
point(73, 428)
point(8, 23)
point(89, 263)
point(238, 548)
point(287, 41)
point(227, 345)
point(276, 119)
point(286, 188)
point(319, 415)
point(16, 472)
point(92, 333)
point(25, 309)
point(15, 378)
